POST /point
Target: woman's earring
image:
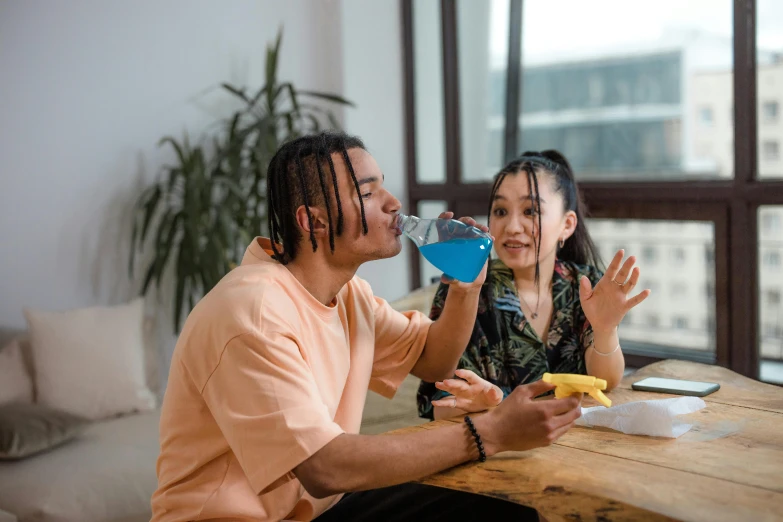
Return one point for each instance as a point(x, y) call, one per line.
point(562, 242)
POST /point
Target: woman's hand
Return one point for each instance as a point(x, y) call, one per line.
point(473, 394)
point(607, 303)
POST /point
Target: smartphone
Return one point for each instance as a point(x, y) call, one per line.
point(676, 386)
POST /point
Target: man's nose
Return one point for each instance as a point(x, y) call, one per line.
point(393, 204)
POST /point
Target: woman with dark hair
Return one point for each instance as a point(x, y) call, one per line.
point(546, 306)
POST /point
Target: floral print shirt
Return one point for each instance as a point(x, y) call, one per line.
point(504, 349)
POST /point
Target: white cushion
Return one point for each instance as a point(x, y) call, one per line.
point(16, 385)
point(105, 474)
point(90, 361)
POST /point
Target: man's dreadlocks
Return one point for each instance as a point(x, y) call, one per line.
point(296, 176)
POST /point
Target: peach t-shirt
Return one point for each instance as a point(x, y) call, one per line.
point(262, 377)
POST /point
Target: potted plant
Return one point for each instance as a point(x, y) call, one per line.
point(207, 206)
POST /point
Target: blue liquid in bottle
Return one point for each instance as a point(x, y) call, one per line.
point(461, 259)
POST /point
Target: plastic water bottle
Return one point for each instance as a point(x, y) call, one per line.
point(457, 249)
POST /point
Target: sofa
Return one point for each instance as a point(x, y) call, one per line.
point(107, 471)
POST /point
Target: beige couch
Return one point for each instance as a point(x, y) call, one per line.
point(108, 472)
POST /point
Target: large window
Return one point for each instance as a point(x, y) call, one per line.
point(629, 90)
point(670, 115)
point(770, 88)
point(677, 256)
point(429, 112)
point(771, 292)
point(483, 62)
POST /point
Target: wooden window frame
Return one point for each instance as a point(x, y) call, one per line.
point(731, 205)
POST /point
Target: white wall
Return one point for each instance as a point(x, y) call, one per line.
point(373, 78)
point(90, 86)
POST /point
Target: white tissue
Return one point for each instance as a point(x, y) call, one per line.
point(655, 418)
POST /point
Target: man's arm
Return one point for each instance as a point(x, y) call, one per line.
point(449, 335)
point(361, 462)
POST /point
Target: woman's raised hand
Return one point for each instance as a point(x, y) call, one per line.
point(607, 303)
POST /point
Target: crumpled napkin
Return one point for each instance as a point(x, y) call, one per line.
point(655, 418)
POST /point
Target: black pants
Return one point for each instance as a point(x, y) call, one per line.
point(411, 502)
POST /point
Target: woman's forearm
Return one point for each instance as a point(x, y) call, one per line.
point(604, 359)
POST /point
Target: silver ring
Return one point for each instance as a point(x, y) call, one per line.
point(618, 284)
point(455, 401)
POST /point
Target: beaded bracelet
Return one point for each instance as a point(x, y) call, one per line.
point(477, 437)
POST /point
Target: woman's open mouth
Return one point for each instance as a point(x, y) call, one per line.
point(516, 247)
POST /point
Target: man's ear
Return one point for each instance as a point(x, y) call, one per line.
point(318, 220)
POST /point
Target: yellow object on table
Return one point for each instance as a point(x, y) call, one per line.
point(569, 384)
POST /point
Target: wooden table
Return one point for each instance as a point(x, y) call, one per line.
point(728, 467)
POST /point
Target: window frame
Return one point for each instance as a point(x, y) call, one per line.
point(731, 205)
